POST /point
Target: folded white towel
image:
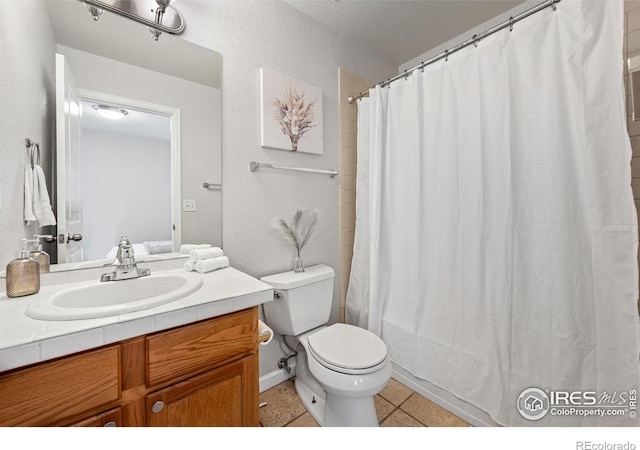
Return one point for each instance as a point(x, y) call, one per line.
point(186, 248)
point(28, 196)
point(189, 266)
point(209, 265)
point(205, 253)
point(41, 202)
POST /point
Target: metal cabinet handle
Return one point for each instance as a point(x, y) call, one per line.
point(110, 424)
point(157, 406)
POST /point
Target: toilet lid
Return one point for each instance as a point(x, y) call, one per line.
point(348, 347)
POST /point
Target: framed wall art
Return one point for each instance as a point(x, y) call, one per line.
point(291, 114)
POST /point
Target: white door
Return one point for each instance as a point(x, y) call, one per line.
point(69, 139)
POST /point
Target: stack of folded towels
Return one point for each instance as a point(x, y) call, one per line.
point(205, 259)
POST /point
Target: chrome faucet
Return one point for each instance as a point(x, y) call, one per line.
point(125, 263)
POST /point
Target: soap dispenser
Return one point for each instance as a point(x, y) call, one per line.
point(40, 255)
point(23, 273)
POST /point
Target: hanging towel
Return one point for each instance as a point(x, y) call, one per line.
point(209, 265)
point(29, 217)
point(41, 202)
point(205, 253)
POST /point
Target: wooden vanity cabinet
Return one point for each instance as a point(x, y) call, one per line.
point(201, 374)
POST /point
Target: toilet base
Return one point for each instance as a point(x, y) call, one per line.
point(332, 410)
point(350, 412)
point(327, 409)
point(313, 401)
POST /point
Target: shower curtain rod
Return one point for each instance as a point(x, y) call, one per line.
point(474, 40)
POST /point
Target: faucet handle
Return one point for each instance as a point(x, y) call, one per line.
point(125, 252)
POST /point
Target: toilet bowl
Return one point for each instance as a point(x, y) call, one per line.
point(339, 367)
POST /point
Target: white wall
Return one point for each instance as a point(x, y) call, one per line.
point(430, 53)
point(115, 167)
point(273, 35)
point(27, 110)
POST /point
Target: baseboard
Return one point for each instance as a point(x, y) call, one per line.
point(447, 400)
point(276, 377)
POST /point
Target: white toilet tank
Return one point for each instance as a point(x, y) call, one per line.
point(305, 303)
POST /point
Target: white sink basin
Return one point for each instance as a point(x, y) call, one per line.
point(111, 298)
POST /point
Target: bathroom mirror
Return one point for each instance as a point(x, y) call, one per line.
point(116, 63)
point(634, 85)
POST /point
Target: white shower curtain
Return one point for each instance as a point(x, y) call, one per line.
point(496, 232)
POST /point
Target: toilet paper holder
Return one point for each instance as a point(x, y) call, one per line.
point(265, 334)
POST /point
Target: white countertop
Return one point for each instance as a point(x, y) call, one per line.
point(25, 341)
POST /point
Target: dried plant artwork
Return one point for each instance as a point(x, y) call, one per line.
point(294, 114)
point(291, 114)
point(298, 232)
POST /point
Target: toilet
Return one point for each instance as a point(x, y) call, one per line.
point(340, 367)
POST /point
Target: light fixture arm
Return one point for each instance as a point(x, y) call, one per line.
point(155, 14)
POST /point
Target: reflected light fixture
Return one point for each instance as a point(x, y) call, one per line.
point(110, 112)
point(157, 15)
point(95, 11)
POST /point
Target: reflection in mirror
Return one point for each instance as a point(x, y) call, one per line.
point(634, 85)
point(114, 62)
point(125, 155)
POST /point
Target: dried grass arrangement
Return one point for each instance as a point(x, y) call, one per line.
point(299, 232)
point(294, 115)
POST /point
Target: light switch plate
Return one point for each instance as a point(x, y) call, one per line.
point(189, 205)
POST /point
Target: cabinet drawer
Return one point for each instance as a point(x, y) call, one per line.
point(112, 418)
point(47, 393)
point(182, 351)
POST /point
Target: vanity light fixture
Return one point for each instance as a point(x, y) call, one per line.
point(157, 15)
point(110, 112)
point(95, 11)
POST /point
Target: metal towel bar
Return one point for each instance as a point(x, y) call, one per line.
point(253, 165)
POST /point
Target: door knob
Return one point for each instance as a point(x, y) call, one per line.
point(74, 237)
point(157, 406)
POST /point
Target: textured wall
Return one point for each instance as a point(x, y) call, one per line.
point(273, 35)
point(27, 109)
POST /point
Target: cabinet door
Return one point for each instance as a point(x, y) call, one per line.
point(112, 418)
point(222, 397)
point(51, 392)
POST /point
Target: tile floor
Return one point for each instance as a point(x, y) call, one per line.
point(396, 405)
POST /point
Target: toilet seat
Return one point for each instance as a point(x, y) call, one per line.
point(347, 349)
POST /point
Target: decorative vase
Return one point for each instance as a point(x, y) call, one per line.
point(298, 265)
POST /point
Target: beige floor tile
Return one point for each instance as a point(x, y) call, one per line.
point(283, 405)
point(395, 392)
point(430, 414)
point(304, 420)
point(400, 418)
point(383, 408)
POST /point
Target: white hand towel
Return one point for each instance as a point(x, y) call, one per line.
point(189, 266)
point(28, 196)
point(205, 253)
point(41, 202)
point(209, 265)
point(186, 248)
